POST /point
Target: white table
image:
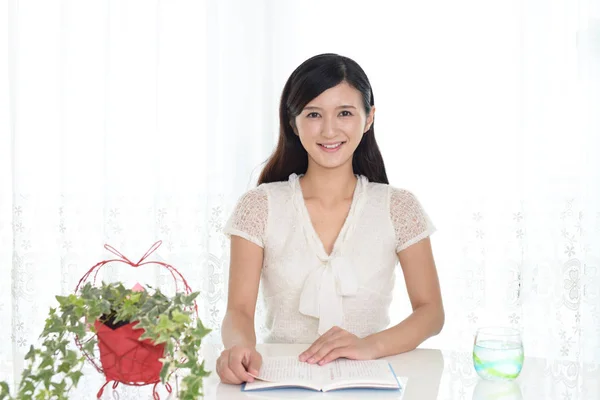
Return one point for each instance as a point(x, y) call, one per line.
point(435, 374)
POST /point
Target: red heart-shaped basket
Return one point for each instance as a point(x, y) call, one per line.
point(121, 357)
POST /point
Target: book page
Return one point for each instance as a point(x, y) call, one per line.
point(286, 371)
point(361, 370)
point(371, 373)
point(280, 369)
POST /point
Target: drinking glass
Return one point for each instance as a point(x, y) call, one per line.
point(498, 353)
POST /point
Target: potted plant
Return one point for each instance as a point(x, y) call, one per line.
point(133, 336)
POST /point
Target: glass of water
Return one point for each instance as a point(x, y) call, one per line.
point(498, 353)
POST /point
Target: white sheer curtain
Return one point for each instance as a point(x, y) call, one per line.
point(123, 122)
point(126, 122)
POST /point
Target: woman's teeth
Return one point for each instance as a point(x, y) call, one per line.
point(332, 146)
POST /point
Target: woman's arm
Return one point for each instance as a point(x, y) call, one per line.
point(244, 276)
point(240, 358)
point(427, 318)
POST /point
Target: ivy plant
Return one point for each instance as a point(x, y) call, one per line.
point(54, 368)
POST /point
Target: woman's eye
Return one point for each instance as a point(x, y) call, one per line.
point(346, 113)
point(312, 115)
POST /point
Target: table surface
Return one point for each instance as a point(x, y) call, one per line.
point(435, 374)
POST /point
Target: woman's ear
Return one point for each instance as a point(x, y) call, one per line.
point(370, 119)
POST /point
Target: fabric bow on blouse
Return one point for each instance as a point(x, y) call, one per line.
point(333, 276)
point(321, 296)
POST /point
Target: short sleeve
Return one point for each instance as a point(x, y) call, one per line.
point(249, 218)
point(411, 222)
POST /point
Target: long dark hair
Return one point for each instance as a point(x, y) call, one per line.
point(309, 80)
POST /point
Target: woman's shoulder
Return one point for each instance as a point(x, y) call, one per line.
point(387, 191)
point(378, 188)
point(403, 201)
point(410, 221)
point(397, 200)
point(395, 192)
point(401, 195)
point(259, 196)
point(274, 186)
point(279, 188)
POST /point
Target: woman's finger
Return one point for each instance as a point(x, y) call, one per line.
point(336, 353)
point(227, 376)
point(221, 362)
point(236, 366)
point(334, 343)
point(254, 363)
point(308, 353)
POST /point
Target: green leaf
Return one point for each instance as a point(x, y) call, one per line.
point(153, 312)
point(179, 317)
point(27, 386)
point(59, 387)
point(30, 354)
point(43, 394)
point(62, 300)
point(164, 324)
point(71, 357)
point(88, 347)
point(4, 390)
point(79, 329)
point(186, 364)
point(62, 347)
point(200, 331)
point(189, 300)
point(26, 373)
point(47, 361)
point(193, 384)
point(162, 338)
point(46, 376)
point(135, 297)
point(64, 367)
point(75, 376)
point(164, 371)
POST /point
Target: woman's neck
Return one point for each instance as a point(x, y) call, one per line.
point(328, 185)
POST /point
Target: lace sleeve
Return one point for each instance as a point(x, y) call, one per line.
point(249, 219)
point(410, 221)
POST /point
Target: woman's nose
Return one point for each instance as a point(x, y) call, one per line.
point(329, 128)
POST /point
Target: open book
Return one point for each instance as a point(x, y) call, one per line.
point(288, 372)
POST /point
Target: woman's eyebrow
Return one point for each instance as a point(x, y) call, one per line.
point(319, 108)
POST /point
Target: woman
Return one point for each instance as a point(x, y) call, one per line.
point(324, 231)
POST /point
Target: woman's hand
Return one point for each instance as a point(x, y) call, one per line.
point(337, 343)
point(235, 365)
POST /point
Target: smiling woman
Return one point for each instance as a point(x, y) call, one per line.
point(333, 128)
point(328, 97)
point(324, 231)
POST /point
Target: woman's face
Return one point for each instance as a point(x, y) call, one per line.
point(332, 125)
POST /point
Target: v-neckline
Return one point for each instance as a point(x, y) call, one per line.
point(310, 228)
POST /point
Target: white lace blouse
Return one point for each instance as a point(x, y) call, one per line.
point(305, 290)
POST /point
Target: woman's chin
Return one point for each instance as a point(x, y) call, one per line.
point(332, 162)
